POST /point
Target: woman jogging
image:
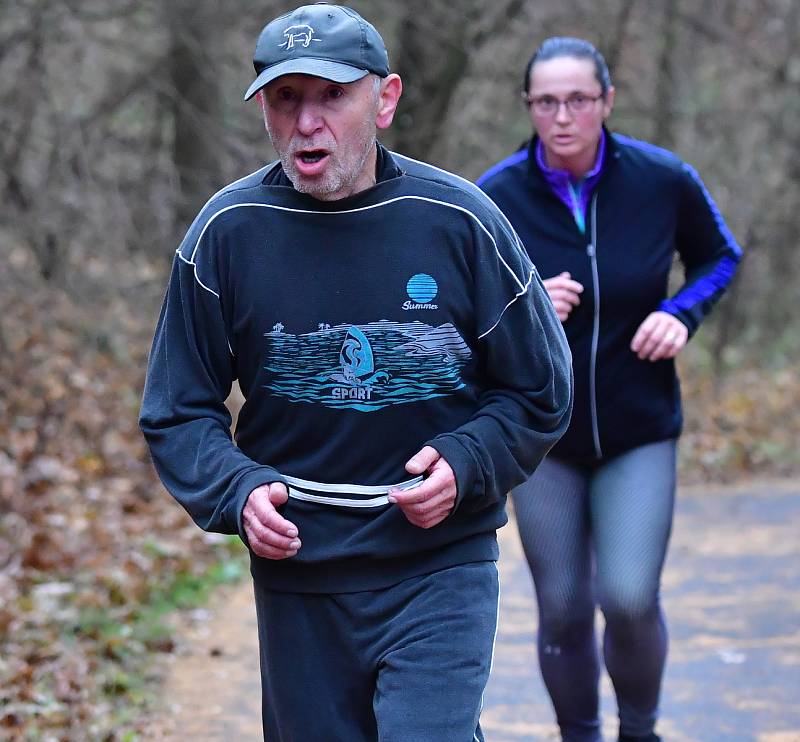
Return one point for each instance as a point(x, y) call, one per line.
point(603, 216)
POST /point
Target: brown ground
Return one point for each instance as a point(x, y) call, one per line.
point(732, 595)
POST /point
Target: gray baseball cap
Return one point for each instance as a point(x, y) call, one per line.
point(329, 41)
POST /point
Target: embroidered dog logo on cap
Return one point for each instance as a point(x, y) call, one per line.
point(302, 35)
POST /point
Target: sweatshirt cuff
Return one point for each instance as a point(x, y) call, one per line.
point(249, 482)
point(461, 462)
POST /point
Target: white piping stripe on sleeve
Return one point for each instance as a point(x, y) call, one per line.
point(521, 293)
point(472, 186)
point(475, 191)
point(191, 261)
point(196, 277)
point(210, 291)
point(236, 182)
point(523, 287)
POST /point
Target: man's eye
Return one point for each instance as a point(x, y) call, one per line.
point(578, 98)
point(284, 94)
point(335, 93)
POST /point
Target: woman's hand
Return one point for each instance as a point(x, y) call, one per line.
point(660, 336)
point(564, 293)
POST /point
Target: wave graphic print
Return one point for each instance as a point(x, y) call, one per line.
point(366, 367)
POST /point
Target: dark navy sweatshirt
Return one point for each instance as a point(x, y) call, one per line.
point(646, 207)
point(359, 331)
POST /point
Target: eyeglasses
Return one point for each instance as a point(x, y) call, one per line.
point(547, 105)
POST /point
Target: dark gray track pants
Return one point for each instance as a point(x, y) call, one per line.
point(409, 662)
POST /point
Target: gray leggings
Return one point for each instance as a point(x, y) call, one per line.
point(594, 534)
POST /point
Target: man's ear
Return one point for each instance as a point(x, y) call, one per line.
point(262, 101)
point(390, 91)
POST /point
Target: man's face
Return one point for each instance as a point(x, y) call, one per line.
point(324, 132)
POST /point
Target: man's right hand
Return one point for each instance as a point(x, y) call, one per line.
point(564, 293)
point(270, 535)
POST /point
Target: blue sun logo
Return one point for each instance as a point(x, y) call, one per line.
point(422, 288)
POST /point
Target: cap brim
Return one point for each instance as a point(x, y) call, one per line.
point(334, 71)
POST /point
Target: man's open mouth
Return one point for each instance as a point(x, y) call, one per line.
point(312, 156)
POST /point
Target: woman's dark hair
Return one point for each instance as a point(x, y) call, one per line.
point(566, 46)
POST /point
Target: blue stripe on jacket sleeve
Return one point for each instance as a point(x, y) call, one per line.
point(720, 277)
point(730, 240)
point(706, 288)
point(517, 157)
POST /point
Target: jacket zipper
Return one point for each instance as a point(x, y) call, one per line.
point(591, 251)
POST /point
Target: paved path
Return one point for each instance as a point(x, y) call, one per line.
point(732, 595)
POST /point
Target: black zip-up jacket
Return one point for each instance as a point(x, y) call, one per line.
point(647, 205)
point(359, 330)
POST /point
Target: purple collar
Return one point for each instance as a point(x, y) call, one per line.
point(574, 194)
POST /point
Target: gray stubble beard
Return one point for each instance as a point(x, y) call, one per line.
point(333, 182)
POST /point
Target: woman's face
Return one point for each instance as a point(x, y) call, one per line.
point(570, 136)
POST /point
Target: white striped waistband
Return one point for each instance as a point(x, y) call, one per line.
point(304, 489)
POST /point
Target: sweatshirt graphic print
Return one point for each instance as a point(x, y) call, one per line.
point(366, 367)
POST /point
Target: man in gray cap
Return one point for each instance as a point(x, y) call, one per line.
point(403, 368)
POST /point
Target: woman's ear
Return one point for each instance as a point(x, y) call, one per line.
point(608, 103)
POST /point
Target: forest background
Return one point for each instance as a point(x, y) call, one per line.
point(118, 118)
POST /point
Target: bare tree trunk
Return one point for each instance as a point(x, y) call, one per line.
point(620, 34)
point(665, 82)
point(433, 54)
point(195, 104)
point(24, 196)
point(728, 318)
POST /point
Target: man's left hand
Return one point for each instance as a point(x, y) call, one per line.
point(660, 336)
point(432, 501)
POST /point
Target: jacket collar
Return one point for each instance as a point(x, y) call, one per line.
point(575, 196)
point(605, 153)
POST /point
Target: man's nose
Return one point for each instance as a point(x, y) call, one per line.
point(309, 119)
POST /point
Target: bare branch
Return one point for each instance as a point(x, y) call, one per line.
point(665, 77)
point(122, 92)
point(722, 35)
point(78, 9)
point(621, 27)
